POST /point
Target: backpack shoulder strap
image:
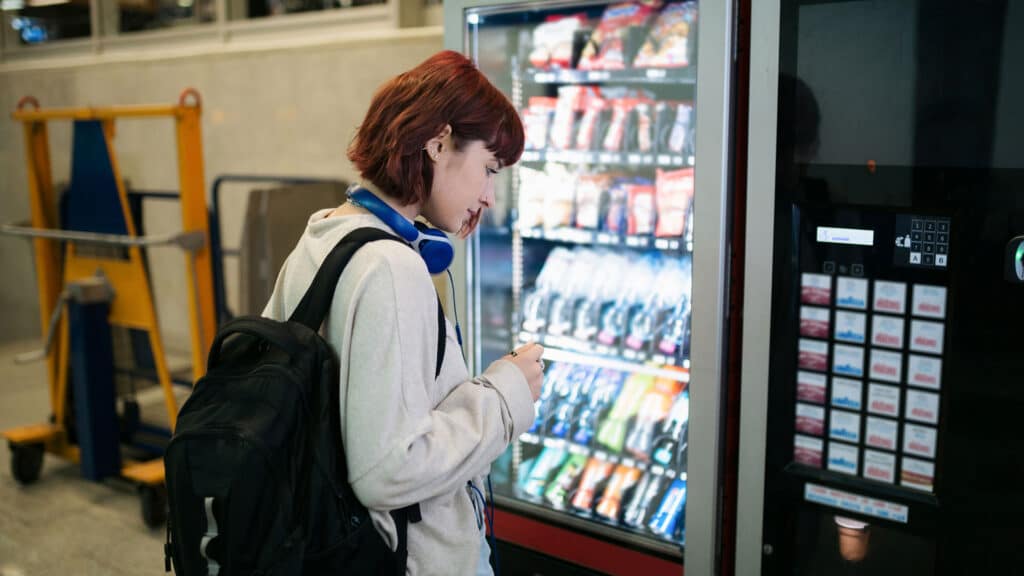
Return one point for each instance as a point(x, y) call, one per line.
point(442, 338)
point(316, 302)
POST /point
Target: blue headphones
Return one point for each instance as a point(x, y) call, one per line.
point(434, 247)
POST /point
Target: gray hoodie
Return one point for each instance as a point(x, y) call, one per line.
point(408, 437)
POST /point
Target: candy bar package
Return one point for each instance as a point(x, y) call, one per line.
point(591, 197)
point(642, 211)
point(536, 120)
point(674, 196)
point(668, 41)
point(552, 41)
point(606, 49)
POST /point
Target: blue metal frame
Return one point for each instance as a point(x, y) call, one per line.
point(92, 375)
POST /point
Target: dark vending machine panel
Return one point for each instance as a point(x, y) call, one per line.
point(870, 348)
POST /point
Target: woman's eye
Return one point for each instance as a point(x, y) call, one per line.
point(492, 172)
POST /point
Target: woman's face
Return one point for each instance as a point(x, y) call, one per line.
point(463, 185)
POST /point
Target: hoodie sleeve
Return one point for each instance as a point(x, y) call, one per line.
point(403, 446)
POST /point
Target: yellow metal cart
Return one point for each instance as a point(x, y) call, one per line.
point(80, 285)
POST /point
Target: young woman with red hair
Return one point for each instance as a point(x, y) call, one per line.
point(430, 146)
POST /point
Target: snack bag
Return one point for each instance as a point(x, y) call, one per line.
point(615, 220)
point(589, 121)
point(532, 184)
point(642, 211)
point(536, 119)
point(680, 135)
point(559, 196)
point(606, 48)
point(674, 196)
point(667, 44)
point(613, 139)
point(552, 41)
point(644, 127)
point(591, 195)
point(565, 116)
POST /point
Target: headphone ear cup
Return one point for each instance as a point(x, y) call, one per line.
point(436, 249)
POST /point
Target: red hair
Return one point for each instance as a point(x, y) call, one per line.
point(413, 107)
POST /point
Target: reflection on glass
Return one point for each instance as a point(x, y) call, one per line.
point(34, 22)
point(138, 15)
point(241, 9)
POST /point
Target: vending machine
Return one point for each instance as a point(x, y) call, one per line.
point(607, 244)
point(882, 390)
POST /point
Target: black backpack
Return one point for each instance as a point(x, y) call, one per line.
point(256, 475)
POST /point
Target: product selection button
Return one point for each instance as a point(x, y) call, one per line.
point(940, 260)
point(941, 249)
point(929, 236)
point(915, 246)
point(943, 226)
point(928, 248)
point(915, 257)
point(929, 259)
point(915, 236)
point(929, 226)
point(942, 238)
point(915, 224)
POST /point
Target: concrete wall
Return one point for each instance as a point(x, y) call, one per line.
point(289, 110)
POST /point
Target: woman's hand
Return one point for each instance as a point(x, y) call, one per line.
point(528, 359)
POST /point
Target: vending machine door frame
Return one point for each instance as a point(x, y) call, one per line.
point(713, 177)
point(757, 297)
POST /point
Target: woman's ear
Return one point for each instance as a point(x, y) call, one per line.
point(440, 143)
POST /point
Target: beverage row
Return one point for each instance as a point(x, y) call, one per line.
point(640, 415)
point(597, 488)
point(640, 304)
point(558, 197)
point(610, 119)
point(609, 45)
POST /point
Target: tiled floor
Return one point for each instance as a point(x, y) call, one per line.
point(64, 524)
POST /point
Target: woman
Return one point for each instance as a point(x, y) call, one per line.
point(430, 146)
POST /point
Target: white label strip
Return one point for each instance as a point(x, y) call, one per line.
point(852, 293)
point(843, 500)
point(890, 297)
point(929, 301)
point(926, 336)
point(851, 327)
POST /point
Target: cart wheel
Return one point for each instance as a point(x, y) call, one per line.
point(26, 462)
point(154, 505)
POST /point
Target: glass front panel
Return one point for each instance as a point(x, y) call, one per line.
point(588, 251)
point(896, 303)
